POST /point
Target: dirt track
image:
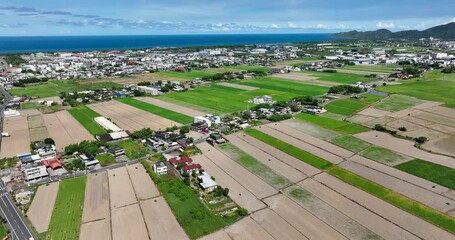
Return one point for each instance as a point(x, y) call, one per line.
point(19, 140)
point(127, 223)
point(120, 188)
point(40, 211)
point(403, 146)
point(403, 219)
point(143, 185)
point(171, 106)
point(160, 221)
point(96, 202)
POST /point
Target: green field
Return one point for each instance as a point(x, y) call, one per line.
point(249, 68)
point(86, 117)
point(3, 230)
point(332, 124)
point(339, 77)
point(383, 155)
point(396, 102)
point(187, 75)
point(300, 61)
point(133, 149)
point(433, 216)
point(372, 68)
point(66, 216)
point(296, 152)
point(105, 159)
point(219, 99)
point(349, 106)
point(436, 173)
point(53, 88)
point(434, 86)
point(287, 86)
point(256, 167)
point(27, 105)
point(350, 143)
point(174, 116)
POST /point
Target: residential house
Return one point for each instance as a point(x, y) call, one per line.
point(206, 182)
point(160, 168)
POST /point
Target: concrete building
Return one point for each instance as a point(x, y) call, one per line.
point(108, 125)
point(160, 168)
point(206, 182)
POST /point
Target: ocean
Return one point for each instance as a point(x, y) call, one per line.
point(89, 43)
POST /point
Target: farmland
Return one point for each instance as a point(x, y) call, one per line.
point(286, 86)
point(433, 172)
point(383, 155)
point(86, 117)
point(66, 217)
point(53, 88)
point(338, 77)
point(396, 102)
point(157, 110)
point(434, 86)
point(351, 143)
point(371, 68)
point(249, 68)
point(332, 124)
point(186, 75)
point(349, 106)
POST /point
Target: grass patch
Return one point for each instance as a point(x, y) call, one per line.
point(105, 159)
point(163, 112)
point(298, 153)
point(3, 230)
point(339, 77)
point(28, 105)
point(66, 216)
point(332, 124)
point(433, 172)
point(351, 143)
point(256, 167)
point(86, 117)
point(383, 155)
point(349, 106)
point(434, 86)
point(437, 218)
point(372, 68)
point(397, 102)
point(53, 88)
point(250, 68)
point(195, 218)
point(132, 148)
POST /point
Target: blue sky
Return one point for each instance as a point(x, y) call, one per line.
point(125, 17)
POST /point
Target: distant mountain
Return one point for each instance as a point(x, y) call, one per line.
point(446, 31)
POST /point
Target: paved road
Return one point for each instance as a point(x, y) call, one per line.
point(16, 223)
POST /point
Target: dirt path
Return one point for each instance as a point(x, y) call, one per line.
point(40, 211)
point(171, 106)
point(404, 147)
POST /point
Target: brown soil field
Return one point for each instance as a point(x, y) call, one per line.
point(427, 104)
point(161, 223)
point(131, 118)
point(444, 145)
point(237, 192)
point(370, 220)
point(128, 223)
point(238, 86)
point(403, 123)
point(247, 228)
point(120, 188)
point(306, 79)
point(247, 179)
point(403, 219)
point(373, 112)
point(434, 118)
point(443, 111)
point(301, 144)
point(282, 156)
point(143, 185)
point(399, 174)
point(276, 226)
point(218, 235)
point(422, 195)
point(96, 202)
point(278, 166)
point(96, 230)
point(19, 140)
point(311, 129)
point(295, 133)
point(134, 79)
point(37, 128)
point(171, 106)
point(307, 224)
point(404, 147)
point(40, 211)
point(360, 119)
point(65, 130)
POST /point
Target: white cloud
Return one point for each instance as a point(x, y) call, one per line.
point(291, 25)
point(422, 26)
point(342, 26)
point(321, 26)
point(274, 26)
point(385, 25)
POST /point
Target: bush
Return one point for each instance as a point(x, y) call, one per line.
point(277, 118)
point(344, 89)
point(49, 141)
point(380, 128)
point(242, 211)
point(420, 140)
point(142, 134)
point(403, 129)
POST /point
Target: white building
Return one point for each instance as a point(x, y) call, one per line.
point(149, 90)
point(108, 125)
point(34, 171)
point(206, 182)
point(160, 168)
point(263, 99)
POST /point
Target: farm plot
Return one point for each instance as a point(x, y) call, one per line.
point(40, 210)
point(397, 102)
point(86, 117)
point(275, 225)
point(131, 118)
point(338, 77)
point(332, 124)
point(283, 85)
point(96, 203)
point(349, 106)
point(65, 130)
point(100, 229)
point(233, 85)
point(351, 143)
point(247, 228)
point(19, 140)
point(142, 183)
point(384, 155)
point(121, 190)
point(128, 223)
point(430, 171)
point(249, 68)
point(37, 128)
point(171, 106)
point(166, 113)
point(306, 79)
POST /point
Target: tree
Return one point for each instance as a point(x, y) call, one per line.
point(242, 211)
point(49, 141)
point(142, 134)
point(185, 129)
